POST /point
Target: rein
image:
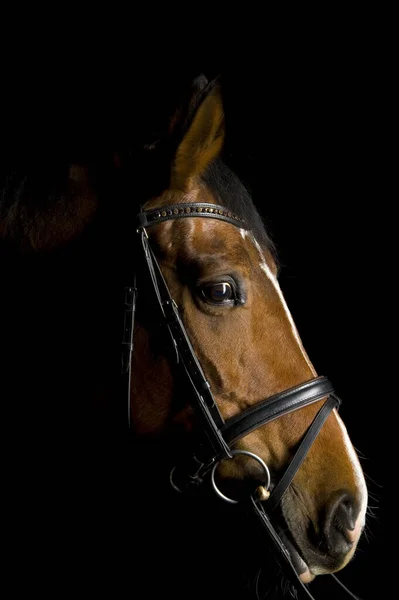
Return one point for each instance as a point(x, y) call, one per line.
point(217, 434)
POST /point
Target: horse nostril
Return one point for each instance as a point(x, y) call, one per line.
point(339, 524)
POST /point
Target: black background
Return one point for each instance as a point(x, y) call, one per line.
point(309, 121)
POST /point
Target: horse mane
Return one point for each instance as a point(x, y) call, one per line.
point(230, 192)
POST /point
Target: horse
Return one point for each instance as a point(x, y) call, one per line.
point(236, 476)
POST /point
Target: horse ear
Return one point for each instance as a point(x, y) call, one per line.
point(187, 107)
point(201, 133)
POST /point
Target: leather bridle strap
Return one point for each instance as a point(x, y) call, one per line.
point(204, 404)
point(304, 447)
point(130, 299)
point(276, 406)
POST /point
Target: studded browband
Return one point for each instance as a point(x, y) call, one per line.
point(193, 209)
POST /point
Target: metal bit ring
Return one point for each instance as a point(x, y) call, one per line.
point(235, 453)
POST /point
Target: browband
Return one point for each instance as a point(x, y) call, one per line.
point(193, 209)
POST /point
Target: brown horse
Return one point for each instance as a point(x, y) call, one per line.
point(214, 351)
point(223, 278)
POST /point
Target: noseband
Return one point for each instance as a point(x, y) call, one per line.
point(217, 434)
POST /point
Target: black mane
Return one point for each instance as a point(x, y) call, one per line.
point(230, 192)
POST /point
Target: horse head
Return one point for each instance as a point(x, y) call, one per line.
point(221, 274)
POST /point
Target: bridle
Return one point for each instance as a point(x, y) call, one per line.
point(218, 435)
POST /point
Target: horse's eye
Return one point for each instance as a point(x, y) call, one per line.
point(218, 293)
